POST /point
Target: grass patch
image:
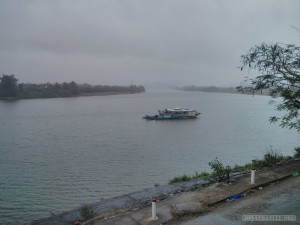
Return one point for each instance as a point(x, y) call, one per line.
point(181, 178)
point(184, 178)
point(203, 175)
point(270, 158)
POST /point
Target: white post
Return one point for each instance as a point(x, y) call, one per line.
point(154, 217)
point(253, 176)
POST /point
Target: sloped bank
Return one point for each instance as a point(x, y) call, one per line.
point(134, 200)
point(212, 194)
point(205, 200)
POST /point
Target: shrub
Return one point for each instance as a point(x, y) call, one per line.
point(288, 158)
point(218, 169)
point(86, 211)
point(297, 152)
point(272, 157)
point(257, 164)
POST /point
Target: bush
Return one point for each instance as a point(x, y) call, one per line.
point(86, 211)
point(297, 152)
point(218, 169)
point(288, 158)
point(270, 158)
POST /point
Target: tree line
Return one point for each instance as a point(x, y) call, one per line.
point(10, 88)
point(209, 89)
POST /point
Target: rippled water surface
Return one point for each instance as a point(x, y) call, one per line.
point(58, 153)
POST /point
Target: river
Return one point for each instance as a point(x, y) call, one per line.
point(56, 154)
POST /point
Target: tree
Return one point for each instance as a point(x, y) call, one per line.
point(279, 69)
point(8, 86)
point(219, 171)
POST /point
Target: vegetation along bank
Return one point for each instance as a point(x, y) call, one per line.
point(10, 89)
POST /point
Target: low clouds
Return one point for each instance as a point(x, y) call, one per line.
point(119, 42)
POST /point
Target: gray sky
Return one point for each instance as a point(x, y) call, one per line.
point(180, 42)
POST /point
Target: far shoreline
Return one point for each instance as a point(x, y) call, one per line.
point(106, 94)
point(75, 96)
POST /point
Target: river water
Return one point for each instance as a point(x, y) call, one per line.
point(56, 154)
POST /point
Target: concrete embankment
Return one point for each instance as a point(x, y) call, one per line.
point(134, 200)
point(194, 197)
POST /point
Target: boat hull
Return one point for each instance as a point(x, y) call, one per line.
point(174, 114)
point(170, 117)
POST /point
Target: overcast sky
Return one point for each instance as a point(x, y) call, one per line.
point(180, 42)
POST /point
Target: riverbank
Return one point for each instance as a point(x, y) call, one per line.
point(80, 95)
point(107, 93)
point(194, 197)
point(10, 89)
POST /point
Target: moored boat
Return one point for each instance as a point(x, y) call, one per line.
point(176, 113)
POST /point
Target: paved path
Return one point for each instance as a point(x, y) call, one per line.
point(279, 198)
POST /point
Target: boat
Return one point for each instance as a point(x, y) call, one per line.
point(171, 114)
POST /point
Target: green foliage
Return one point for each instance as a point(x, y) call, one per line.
point(270, 158)
point(8, 86)
point(279, 68)
point(218, 169)
point(183, 178)
point(86, 211)
point(203, 175)
point(178, 179)
point(297, 152)
point(48, 90)
point(287, 158)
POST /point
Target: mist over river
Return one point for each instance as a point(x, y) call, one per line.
point(58, 153)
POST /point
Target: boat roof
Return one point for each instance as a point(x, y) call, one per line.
point(180, 109)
